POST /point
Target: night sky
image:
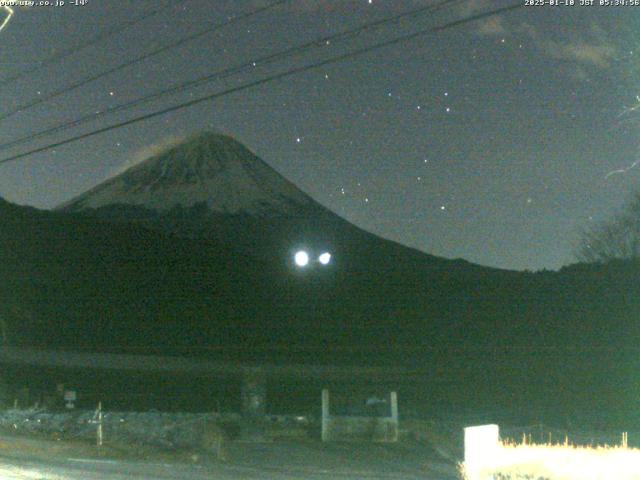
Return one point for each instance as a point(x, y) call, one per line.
point(493, 141)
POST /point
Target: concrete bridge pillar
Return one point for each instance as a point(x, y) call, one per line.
point(254, 403)
point(254, 393)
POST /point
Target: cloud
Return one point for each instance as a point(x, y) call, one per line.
point(588, 49)
point(579, 73)
point(493, 26)
point(146, 152)
point(582, 52)
point(490, 26)
point(585, 49)
point(472, 7)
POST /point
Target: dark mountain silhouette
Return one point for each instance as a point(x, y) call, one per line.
point(211, 186)
point(118, 270)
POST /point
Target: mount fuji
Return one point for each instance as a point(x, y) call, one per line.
point(211, 186)
point(208, 169)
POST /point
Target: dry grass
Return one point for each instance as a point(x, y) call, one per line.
point(557, 462)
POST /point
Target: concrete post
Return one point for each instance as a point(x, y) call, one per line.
point(254, 403)
point(254, 393)
point(394, 416)
point(394, 406)
point(99, 433)
point(325, 415)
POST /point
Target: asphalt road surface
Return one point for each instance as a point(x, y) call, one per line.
point(35, 458)
point(98, 469)
point(278, 461)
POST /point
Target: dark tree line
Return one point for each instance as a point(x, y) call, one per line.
point(615, 239)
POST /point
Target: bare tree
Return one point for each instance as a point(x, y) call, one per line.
point(615, 239)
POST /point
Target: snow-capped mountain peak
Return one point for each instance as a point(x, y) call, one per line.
point(208, 168)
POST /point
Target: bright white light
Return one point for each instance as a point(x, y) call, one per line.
point(325, 258)
point(301, 258)
point(488, 457)
point(481, 443)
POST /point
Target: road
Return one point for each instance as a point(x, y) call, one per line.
point(37, 459)
point(96, 469)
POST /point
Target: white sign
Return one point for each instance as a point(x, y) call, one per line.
point(481, 444)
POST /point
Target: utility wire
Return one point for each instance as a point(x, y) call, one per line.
point(138, 59)
point(268, 79)
point(179, 87)
point(80, 46)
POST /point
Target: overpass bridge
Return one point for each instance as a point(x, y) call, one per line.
point(254, 379)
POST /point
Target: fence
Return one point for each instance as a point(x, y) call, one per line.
point(350, 427)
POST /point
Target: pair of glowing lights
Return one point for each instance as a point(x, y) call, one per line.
point(302, 258)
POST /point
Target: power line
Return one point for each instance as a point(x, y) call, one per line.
point(268, 79)
point(138, 59)
point(80, 46)
point(179, 87)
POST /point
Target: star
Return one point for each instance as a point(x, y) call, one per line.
point(448, 110)
point(298, 140)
